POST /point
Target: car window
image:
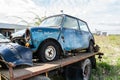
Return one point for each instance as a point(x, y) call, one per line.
point(83, 26)
point(52, 21)
point(70, 23)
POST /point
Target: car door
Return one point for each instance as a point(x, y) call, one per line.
point(84, 34)
point(69, 26)
point(79, 38)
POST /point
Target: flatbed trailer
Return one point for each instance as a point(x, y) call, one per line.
point(42, 68)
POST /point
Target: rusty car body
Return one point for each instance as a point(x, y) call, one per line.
point(57, 35)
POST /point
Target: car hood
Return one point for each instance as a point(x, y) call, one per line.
point(46, 29)
point(4, 40)
point(16, 54)
point(39, 29)
point(19, 33)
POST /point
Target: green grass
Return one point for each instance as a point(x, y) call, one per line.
point(109, 67)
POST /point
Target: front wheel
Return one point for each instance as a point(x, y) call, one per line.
point(49, 51)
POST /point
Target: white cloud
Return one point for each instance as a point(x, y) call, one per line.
point(18, 8)
point(92, 11)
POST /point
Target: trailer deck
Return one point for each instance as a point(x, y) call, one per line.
point(39, 68)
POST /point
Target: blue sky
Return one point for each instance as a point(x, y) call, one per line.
point(100, 14)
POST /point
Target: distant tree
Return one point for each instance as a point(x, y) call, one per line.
point(36, 21)
point(22, 20)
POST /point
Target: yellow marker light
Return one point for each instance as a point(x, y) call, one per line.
point(27, 44)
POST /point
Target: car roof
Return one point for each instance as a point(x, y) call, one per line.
point(65, 15)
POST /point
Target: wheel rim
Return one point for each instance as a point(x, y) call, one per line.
point(86, 70)
point(50, 53)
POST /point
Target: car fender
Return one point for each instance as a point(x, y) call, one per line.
point(39, 35)
point(16, 54)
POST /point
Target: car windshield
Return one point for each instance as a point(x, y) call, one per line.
point(2, 37)
point(52, 21)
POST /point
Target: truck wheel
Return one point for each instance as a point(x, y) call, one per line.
point(93, 62)
point(92, 59)
point(49, 51)
point(39, 78)
point(86, 69)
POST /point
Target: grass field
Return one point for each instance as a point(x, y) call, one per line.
point(109, 67)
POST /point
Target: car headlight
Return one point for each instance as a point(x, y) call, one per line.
point(27, 35)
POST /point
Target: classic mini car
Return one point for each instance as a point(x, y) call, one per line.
point(58, 35)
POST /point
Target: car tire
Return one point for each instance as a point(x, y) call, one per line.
point(49, 51)
point(86, 67)
point(91, 47)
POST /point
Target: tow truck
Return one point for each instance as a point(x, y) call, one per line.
point(62, 42)
point(74, 67)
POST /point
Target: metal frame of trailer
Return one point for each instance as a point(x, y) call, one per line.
point(42, 68)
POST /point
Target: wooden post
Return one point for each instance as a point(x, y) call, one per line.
point(0, 76)
point(11, 65)
point(46, 74)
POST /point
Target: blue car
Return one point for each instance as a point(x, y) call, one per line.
point(58, 35)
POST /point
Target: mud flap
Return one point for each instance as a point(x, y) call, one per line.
point(16, 54)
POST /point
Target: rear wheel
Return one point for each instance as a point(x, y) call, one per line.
point(39, 78)
point(91, 50)
point(78, 71)
point(91, 47)
point(49, 51)
point(86, 69)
